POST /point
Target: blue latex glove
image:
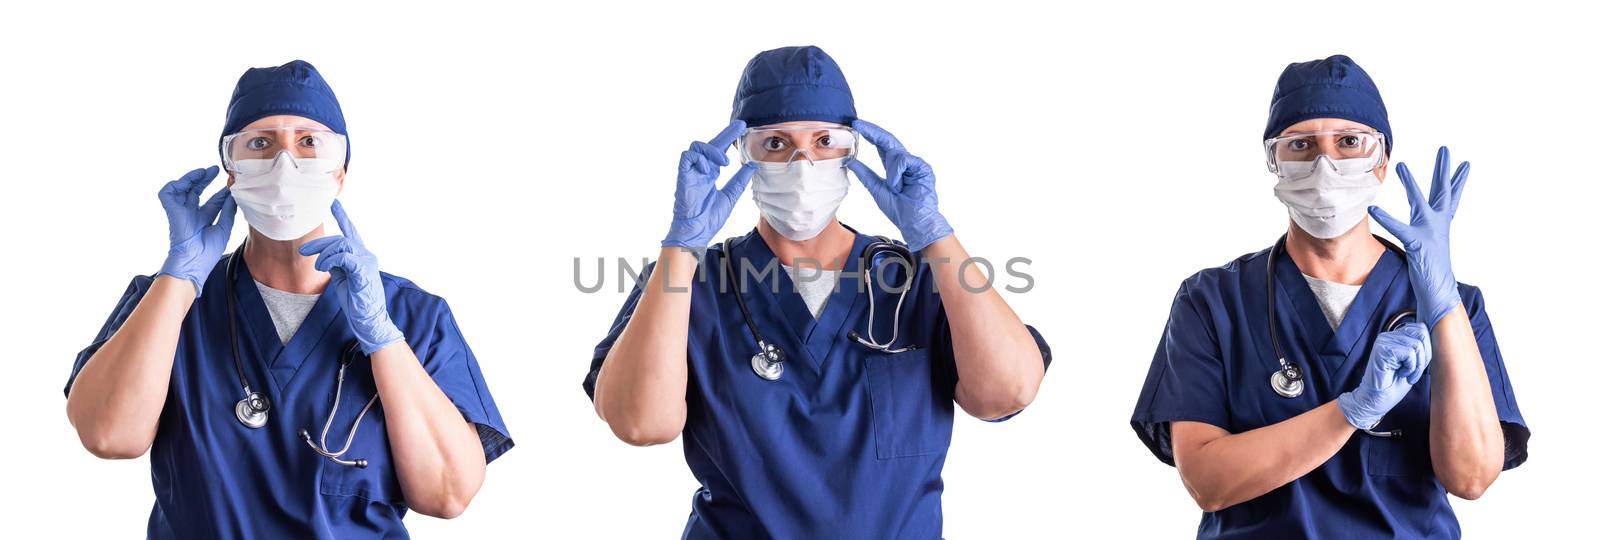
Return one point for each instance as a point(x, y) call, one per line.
point(356, 282)
point(907, 195)
point(1397, 363)
point(700, 209)
point(1427, 238)
point(198, 233)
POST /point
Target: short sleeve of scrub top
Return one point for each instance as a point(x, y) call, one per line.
point(1505, 400)
point(130, 299)
point(850, 423)
point(1044, 354)
point(941, 345)
point(449, 361)
point(432, 332)
point(944, 349)
point(1187, 374)
point(617, 325)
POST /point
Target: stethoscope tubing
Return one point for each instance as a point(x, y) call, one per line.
point(769, 358)
point(867, 256)
point(338, 391)
point(1289, 372)
point(252, 410)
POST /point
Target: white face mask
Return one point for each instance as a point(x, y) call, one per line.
point(1321, 200)
point(285, 197)
point(799, 199)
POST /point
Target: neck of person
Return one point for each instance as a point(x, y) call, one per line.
point(826, 251)
point(1346, 258)
point(278, 263)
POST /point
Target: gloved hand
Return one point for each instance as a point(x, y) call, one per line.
point(1398, 361)
point(907, 196)
point(356, 282)
point(197, 232)
point(1427, 238)
point(700, 209)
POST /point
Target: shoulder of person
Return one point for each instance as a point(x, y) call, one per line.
point(406, 293)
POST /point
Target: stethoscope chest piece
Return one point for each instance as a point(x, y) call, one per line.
point(768, 363)
point(1287, 382)
point(252, 410)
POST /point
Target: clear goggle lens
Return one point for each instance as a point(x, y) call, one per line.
point(1351, 151)
point(300, 143)
point(788, 144)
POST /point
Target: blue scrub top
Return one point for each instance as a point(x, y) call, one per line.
point(1213, 366)
point(216, 478)
point(849, 443)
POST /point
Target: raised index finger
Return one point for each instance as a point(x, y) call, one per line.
point(725, 139)
point(345, 226)
point(189, 186)
point(203, 177)
point(879, 137)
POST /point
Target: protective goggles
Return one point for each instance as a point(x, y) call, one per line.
point(1351, 151)
point(788, 144)
point(300, 143)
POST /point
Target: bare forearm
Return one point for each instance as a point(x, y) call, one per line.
point(437, 456)
point(116, 400)
point(641, 387)
point(1464, 435)
point(998, 361)
point(1222, 470)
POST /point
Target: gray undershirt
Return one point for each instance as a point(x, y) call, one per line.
point(1333, 297)
point(814, 286)
point(288, 310)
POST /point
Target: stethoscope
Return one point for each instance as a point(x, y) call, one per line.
point(768, 360)
point(252, 410)
point(1289, 380)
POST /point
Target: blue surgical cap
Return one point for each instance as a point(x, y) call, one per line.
point(294, 89)
point(790, 84)
point(1334, 87)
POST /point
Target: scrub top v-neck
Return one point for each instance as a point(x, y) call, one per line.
point(849, 442)
point(215, 478)
point(1214, 363)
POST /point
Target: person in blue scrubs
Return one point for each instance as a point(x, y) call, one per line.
point(846, 440)
point(1390, 393)
point(289, 389)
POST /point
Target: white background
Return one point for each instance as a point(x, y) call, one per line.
point(1117, 147)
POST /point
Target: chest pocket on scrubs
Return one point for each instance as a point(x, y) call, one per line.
point(1406, 455)
point(912, 404)
point(377, 482)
